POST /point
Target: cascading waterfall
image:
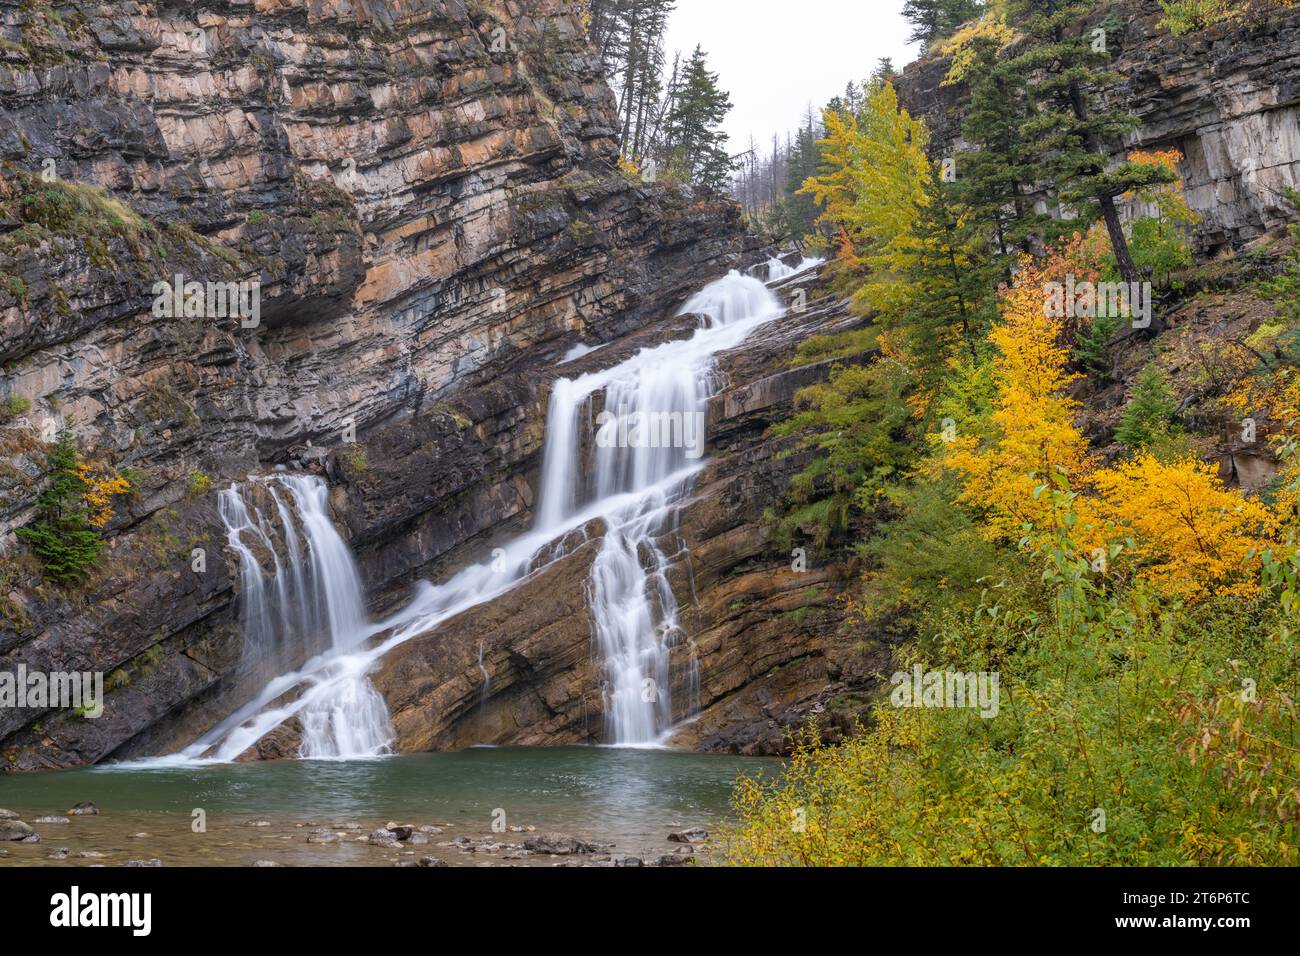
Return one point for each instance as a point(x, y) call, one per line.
point(311, 607)
point(778, 270)
point(487, 679)
point(313, 600)
point(634, 614)
point(622, 446)
point(651, 426)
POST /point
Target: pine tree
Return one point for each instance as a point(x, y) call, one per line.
point(64, 535)
point(1149, 415)
point(935, 19)
point(629, 38)
point(851, 103)
point(993, 176)
point(950, 278)
point(796, 211)
point(695, 144)
point(1060, 68)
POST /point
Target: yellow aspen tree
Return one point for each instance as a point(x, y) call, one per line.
point(98, 494)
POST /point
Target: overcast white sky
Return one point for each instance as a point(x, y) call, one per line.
point(776, 56)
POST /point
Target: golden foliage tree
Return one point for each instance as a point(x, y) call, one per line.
point(873, 181)
point(1036, 441)
point(1192, 534)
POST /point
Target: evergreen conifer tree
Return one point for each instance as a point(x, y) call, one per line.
point(62, 535)
point(695, 143)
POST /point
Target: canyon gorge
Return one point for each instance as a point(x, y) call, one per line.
point(429, 194)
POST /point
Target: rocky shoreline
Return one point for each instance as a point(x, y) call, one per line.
point(261, 842)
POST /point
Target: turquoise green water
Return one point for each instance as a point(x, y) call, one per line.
point(632, 798)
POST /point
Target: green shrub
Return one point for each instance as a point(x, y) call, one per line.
point(1159, 246)
point(1149, 416)
point(200, 482)
point(1285, 287)
point(13, 406)
point(1129, 731)
point(1093, 349)
point(355, 464)
point(1186, 16)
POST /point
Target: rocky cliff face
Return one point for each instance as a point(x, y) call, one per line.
point(1227, 97)
point(427, 193)
point(765, 644)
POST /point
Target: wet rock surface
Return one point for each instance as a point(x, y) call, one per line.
point(768, 639)
point(433, 222)
point(15, 830)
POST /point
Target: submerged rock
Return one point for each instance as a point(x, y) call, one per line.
point(14, 829)
point(144, 862)
point(52, 819)
point(690, 835)
point(8, 815)
point(432, 861)
point(323, 837)
point(558, 844)
point(85, 808)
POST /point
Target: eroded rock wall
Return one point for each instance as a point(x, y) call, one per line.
point(767, 642)
point(1227, 97)
point(426, 191)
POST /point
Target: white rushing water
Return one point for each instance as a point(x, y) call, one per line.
point(622, 432)
point(622, 446)
point(777, 270)
point(313, 599)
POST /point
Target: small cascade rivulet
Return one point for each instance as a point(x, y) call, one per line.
point(622, 446)
point(778, 270)
point(313, 600)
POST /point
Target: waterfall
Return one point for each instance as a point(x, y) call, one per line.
point(650, 426)
point(312, 601)
point(622, 446)
point(487, 679)
point(777, 270)
point(634, 614)
point(310, 608)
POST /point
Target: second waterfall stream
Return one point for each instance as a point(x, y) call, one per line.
point(622, 447)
